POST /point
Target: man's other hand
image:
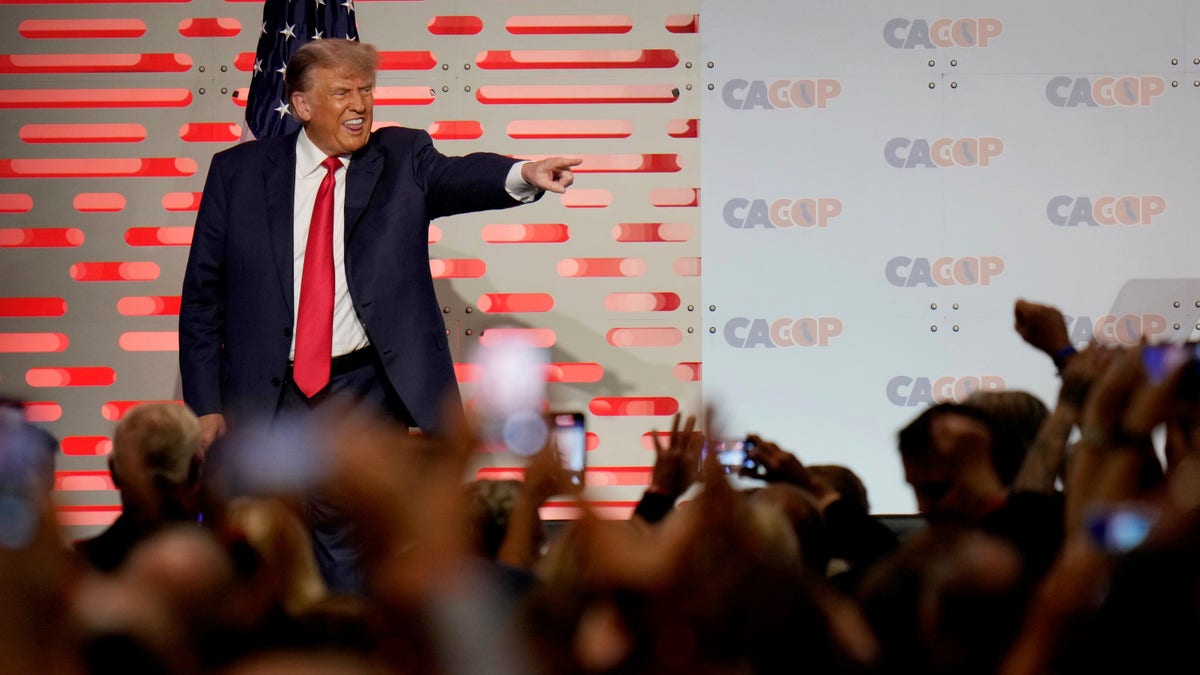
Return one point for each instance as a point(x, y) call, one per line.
point(552, 174)
point(212, 427)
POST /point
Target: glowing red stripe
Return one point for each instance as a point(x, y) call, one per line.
point(113, 411)
point(41, 237)
point(455, 130)
point(648, 163)
point(82, 28)
point(218, 27)
point(468, 268)
point(622, 406)
point(644, 337)
point(687, 267)
point(586, 198)
point(149, 305)
point(652, 232)
point(537, 337)
point(552, 511)
point(86, 445)
point(570, 129)
point(529, 59)
point(683, 128)
point(568, 24)
point(83, 133)
point(686, 197)
point(435, 234)
point(33, 343)
point(44, 307)
point(17, 64)
point(15, 203)
point(503, 303)
point(574, 372)
point(577, 93)
point(410, 95)
point(99, 202)
point(455, 25)
point(688, 371)
point(83, 480)
point(114, 271)
point(42, 411)
point(641, 302)
point(86, 167)
point(210, 132)
point(159, 236)
point(86, 516)
point(181, 201)
point(601, 267)
point(92, 376)
point(663, 437)
point(529, 233)
point(149, 341)
point(683, 23)
point(94, 98)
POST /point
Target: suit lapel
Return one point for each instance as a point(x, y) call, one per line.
point(279, 177)
point(360, 184)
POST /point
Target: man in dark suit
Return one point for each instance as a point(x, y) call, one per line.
point(256, 340)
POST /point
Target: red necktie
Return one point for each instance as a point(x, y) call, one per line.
point(314, 322)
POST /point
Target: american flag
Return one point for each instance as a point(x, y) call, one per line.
point(286, 25)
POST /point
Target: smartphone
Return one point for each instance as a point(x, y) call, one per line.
point(1122, 528)
point(732, 456)
point(570, 435)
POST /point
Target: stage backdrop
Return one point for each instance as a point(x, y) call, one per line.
point(882, 180)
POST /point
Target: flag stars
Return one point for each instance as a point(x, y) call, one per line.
point(258, 66)
point(283, 109)
point(349, 5)
point(289, 30)
point(264, 28)
point(316, 35)
point(282, 70)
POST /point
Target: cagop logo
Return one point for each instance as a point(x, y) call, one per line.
point(901, 33)
point(746, 333)
point(910, 153)
point(1068, 211)
point(1105, 92)
point(909, 392)
point(758, 94)
point(746, 214)
point(1108, 329)
point(905, 272)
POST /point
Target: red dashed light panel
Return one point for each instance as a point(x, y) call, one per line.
point(15, 203)
point(83, 480)
point(58, 29)
point(149, 341)
point(210, 132)
point(608, 406)
point(601, 267)
point(83, 167)
point(528, 59)
point(644, 337)
point(29, 307)
point(41, 237)
point(91, 376)
point(468, 268)
point(455, 25)
point(84, 446)
point(569, 24)
point(83, 133)
point(114, 271)
point(688, 371)
point(641, 302)
point(26, 64)
point(99, 202)
point(181, 201)
point(569, 129)
point(455, 130)
point(214, 27)
point(532, 233)
point(505, 303)
point(33, 343)
point(158, 236)
point(43, 411)
point(686, 197)
point(652, 232)
point(536, 337)
point(526, 94)
point(94, 98)
point(149, 305)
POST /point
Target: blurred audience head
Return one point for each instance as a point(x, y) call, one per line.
point(947, 457)
point(1015, 417)
point(155, 462)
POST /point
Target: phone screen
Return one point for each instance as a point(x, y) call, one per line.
point(570, 435)
point(1160, 360)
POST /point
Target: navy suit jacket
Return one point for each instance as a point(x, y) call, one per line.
point(236, 316)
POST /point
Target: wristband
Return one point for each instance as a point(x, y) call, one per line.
point(1061, 355)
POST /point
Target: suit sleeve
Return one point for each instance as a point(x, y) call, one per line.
point(465, 184)
point(203, 304)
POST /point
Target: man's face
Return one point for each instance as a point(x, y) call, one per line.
point(336, 110)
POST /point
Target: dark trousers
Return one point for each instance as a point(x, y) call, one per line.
point(358, 377)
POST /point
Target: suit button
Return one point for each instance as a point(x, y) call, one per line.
point(275, 382)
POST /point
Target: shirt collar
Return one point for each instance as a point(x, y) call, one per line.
point(309, 156)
